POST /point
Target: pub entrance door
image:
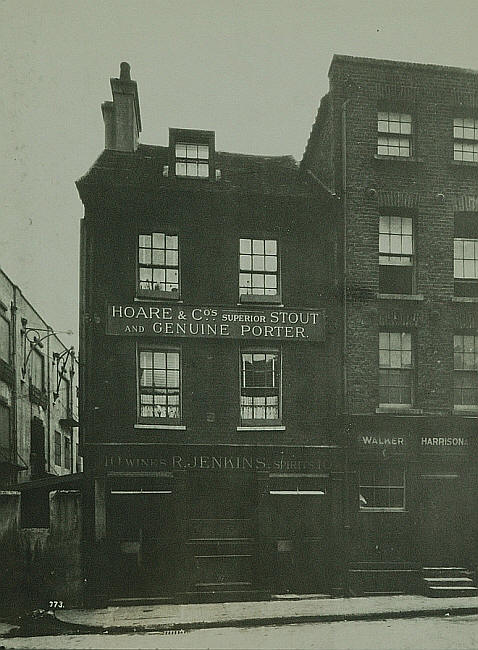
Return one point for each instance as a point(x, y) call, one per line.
point(142, 540)
point(221, 534)
point(300, 521)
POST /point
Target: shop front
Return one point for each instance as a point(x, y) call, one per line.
point(413, 492)
point(202, 523)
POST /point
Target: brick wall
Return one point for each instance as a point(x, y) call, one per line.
point(434, 96)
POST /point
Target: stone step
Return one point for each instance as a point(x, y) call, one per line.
point(445, 572)
point(450, 582)
point(444, 592)
point(442, 568)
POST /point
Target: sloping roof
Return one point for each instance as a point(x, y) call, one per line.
point(144, 167)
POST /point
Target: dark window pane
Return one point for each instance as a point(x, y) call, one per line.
point(4, 340)
point(395, 279)
point(57, 448)
point(381, 498)
point(366, 497)
point(4, 426)
point(397, 498)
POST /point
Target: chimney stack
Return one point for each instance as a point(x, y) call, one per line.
point(122, 116)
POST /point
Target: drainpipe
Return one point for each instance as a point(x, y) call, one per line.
point(16, 375)
point(344, 202)
point(347, 517)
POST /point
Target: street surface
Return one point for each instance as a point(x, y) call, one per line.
point(445, 633)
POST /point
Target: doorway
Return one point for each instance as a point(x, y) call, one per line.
point(299, 508)
point(443, 521)
point(142, 538)
point(221, 533)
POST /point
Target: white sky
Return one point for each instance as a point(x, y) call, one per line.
point(252, 70)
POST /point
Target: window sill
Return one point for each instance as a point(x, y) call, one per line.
point(402, 510)
point(401, 296)
point(263, 300)
point(174, 427)
point(465, 299)
point(258, 427)
point(185, 177)
point(157, 295)
point(464, 163)
point(398, 410)
point(411, 159)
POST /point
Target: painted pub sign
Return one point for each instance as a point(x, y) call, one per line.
point(216, 322)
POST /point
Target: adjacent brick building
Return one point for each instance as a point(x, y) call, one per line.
point(38, 405)
point(398, 144)
point(209, 394)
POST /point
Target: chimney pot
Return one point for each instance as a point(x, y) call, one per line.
point(125, 71)
point(122, 116)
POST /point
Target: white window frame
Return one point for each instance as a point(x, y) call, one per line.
point(260, 421)
point(396, 364)
point(396, 244)
point(192, 159)
point(165, 420)
point(165, 246)
point(395, 134)
point(465, 355)
point(465, 139)
point(378, 486)
point(259, 258)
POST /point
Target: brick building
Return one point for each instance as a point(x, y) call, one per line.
point(209, 340)
point(280, 388)
point(398, 144)
point(38, 405)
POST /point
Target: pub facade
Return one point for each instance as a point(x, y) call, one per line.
point(209, 387)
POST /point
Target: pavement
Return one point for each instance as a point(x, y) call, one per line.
point(138, 618)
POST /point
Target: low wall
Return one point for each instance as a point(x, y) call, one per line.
point(41, 564)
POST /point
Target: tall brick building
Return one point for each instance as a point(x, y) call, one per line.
point(208, 347)
point(397, 143)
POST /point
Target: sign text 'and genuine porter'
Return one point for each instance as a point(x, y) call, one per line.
point(216, 322)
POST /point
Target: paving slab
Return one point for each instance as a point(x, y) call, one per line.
point(192, 616)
